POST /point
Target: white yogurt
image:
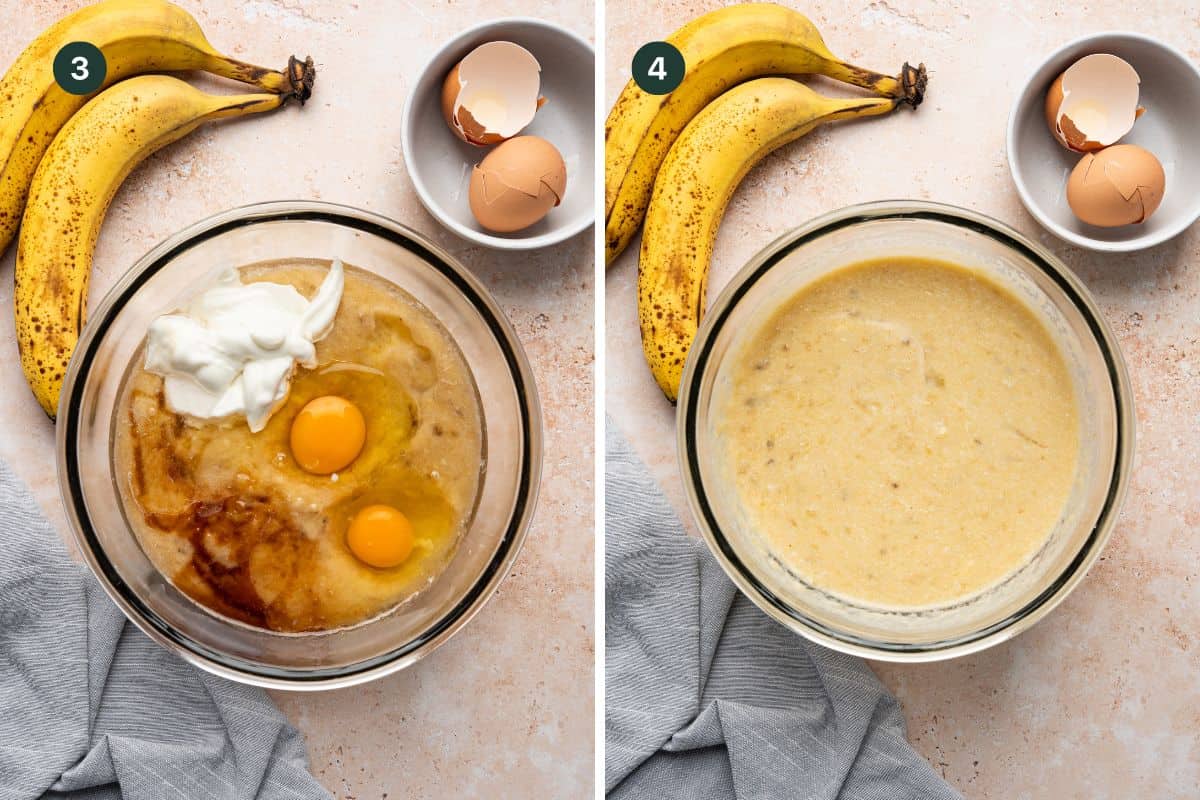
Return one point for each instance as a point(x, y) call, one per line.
point(234, 348)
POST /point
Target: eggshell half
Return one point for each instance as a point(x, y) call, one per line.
point(517, 184)
point(1120, 185)
point(1093, 103)
point(492, 94)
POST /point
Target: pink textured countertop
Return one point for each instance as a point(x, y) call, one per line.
point(505, 709)
point(1100, 699)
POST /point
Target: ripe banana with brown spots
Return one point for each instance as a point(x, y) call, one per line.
point(70, 194)
point(720, 49)
point(135, 36)
point(698, 176)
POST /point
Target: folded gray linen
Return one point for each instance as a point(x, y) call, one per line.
point(91, 708)
point(707, 697)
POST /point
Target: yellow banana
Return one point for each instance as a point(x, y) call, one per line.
point(70, 194)
point(136, 36)
point(698, 176)
point(720, 49)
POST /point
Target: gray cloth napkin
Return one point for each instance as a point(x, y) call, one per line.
point(91, 708)
point(707, 697)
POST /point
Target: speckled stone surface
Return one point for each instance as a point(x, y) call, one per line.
point(504, 710)
point(1101, 699)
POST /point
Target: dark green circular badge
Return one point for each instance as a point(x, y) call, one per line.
point(79, 68)
point(658, 67)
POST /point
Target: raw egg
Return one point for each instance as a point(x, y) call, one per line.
point(517, 184)
point(1094, 103)
point(380, 536)
point(1120, 185)
point(492, 94)
point(327, 435)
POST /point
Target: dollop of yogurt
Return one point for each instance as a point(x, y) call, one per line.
point(234, 348)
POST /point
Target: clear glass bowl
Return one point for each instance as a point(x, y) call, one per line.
point(189, 261)
point(1094, 360)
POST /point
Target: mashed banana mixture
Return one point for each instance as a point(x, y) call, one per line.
point(901, 433)
point(232, 519)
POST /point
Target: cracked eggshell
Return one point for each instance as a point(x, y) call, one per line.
point(492, 93)
point(1120, 185)
point(1093, 103)
point(517, 184)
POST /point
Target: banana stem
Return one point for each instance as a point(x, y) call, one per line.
point(907, 87)
point(296, 81)
point(302, 74)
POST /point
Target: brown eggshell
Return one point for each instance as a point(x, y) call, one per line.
point(1054, 98)
point(517, 184)
point(496, 64)
point(1119, 185)
point(1099, 75)
point(450, 89)
point(1070, 136)
point(471, 131)
point(1076, 139)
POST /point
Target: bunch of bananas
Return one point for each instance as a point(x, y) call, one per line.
point(671, 162)
point(63, 156)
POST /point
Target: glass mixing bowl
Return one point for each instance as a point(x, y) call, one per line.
point(1103, 393)
point(188, 262)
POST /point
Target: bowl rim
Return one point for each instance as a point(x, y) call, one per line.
point(1034, 80)
point(407, 138)
point(698, 360)
point(257, 673)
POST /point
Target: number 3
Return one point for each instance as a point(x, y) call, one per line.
point(658, 69)
point(81, 68)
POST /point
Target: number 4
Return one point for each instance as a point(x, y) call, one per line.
point(658, 69)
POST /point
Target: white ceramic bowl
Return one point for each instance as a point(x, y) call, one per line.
point(440, 164)
point(1170, 91)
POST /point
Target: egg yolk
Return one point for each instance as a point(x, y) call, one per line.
point(327, 435)
point(380, 536)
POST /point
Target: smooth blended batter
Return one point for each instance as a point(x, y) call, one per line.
point(901, 433)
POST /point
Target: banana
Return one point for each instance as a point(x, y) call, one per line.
point(720, 49)
point(70, 194)
point(136, 36)
point(698, 176)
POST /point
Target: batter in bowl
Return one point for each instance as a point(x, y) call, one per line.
point(239, 513)
point(900, 433)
